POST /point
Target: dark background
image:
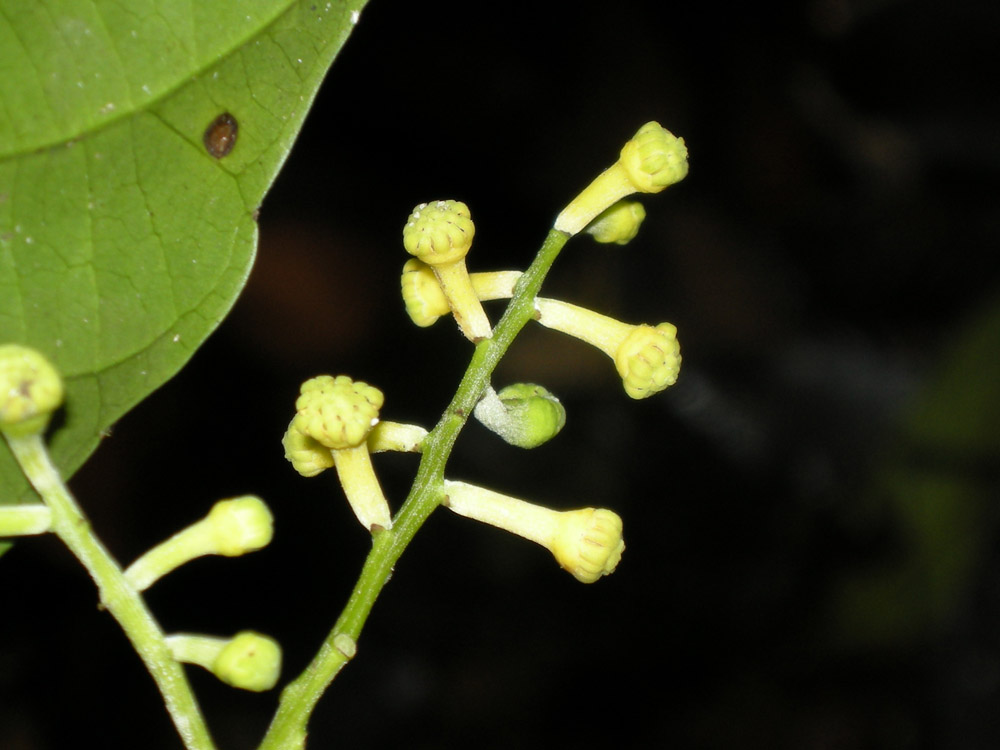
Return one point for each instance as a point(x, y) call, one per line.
point(811, 513)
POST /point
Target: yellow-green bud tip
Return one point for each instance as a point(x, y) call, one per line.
point(337, 412)
point(30, 390)
point(649, 359)
point(654, 158)
point(440, 232)
point(250, 661)
point(589, 544)
point(618, 224)
point(240, 525)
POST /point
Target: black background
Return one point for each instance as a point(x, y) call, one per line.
point(835, 240)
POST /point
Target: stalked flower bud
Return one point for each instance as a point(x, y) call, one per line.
point(30, 390)
point(618, 224)
point(232, 528)
point(648, 358)
point(523, 414)
point(338, 413)
point(440, 234)
point(248, 660)
point(587, 543)
point(653, 159)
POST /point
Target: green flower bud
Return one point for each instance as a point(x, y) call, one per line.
point(248, 660)
point(232, 528)
point(523, 414)
point(240, 525)
point(618, 224)
point(30, 390)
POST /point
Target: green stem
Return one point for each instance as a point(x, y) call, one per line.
point(116, 595)
point(299, 698)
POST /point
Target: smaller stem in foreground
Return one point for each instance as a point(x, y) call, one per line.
point(116, 595)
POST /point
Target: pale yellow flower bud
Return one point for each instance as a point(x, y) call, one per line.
point(440, 234)
point(587, 542)
point(338, 413)
point(650, 161)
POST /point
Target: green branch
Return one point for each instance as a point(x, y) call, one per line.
point(299, 698)
point(124, 603)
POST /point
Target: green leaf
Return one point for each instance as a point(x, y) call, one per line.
point(123, 241)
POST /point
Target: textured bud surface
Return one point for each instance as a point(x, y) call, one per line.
point(654, 158)
point(30, 390)
point(249, 661)
point(336, 411)
point(649, 359)
point(422, 295)
point(440, 232)
point(589, 543)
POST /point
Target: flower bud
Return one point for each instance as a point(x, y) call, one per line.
point(440, 234)
point(338, 413)
point(587, 542)
point(650, 161)
point(618, 224)
point(248, 660)
point(30, 390)
point(233, 527)
point(649, 359)
point(523, 414)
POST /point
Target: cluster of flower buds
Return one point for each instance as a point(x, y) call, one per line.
point(233, 527)
point(647, 357)
point(440, 234)
point(30, 391)
point(336, 423)
point(588, 542)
